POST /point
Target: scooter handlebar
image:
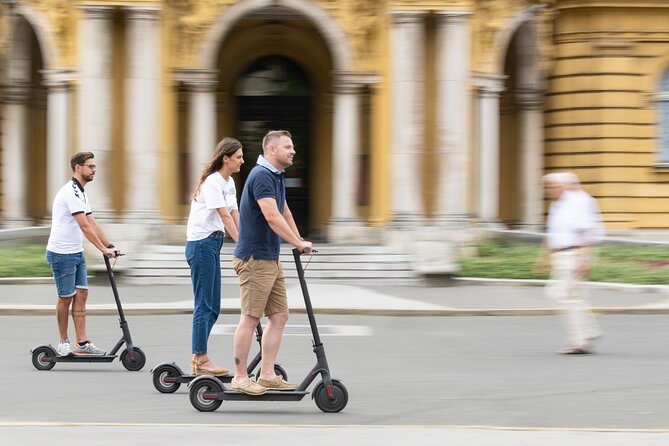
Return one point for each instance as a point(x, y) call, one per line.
point(306, 251)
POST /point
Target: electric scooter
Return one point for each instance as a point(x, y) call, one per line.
point(45, 357)
point(168, 377)
point(330, 395)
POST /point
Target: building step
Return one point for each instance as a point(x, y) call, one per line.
point(166, 264)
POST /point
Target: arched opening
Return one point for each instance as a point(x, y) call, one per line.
point(274, 93)
point(275, 73)
point(518, 151)
point(24, 159)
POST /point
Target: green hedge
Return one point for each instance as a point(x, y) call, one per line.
point(25, 261)
point(615, 263)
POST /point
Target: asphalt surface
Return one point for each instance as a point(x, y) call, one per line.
point(415, 380)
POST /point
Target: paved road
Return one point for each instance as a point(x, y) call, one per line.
point(422, 375)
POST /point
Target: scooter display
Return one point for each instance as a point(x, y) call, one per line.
point(168, 377)
point(45, 357)
point(330, 395)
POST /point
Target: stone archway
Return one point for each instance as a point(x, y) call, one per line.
point(520, 123)
point(320, 46)
point(24, 156)
point(329, 29)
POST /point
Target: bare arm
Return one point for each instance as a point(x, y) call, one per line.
point(228, 221)
point(291, 221)
point(92, 232)
point(279, 224)
point(235, 217)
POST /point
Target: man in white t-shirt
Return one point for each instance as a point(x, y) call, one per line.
point(72, 218)
point(574, 227)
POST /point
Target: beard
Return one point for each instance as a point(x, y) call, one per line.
point(87, 178)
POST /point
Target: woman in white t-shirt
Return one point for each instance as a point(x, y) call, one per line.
point(213, 212)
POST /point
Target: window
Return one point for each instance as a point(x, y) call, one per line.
point(663, 122)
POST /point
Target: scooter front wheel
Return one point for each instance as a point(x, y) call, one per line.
point(38, 356)
point(136, 362)
point(198, 394)
point(339, 397)
point(164, 379)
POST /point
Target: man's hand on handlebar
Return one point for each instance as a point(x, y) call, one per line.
point(306, 247)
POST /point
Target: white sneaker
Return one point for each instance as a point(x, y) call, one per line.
point(89, 349)
point(64, 348)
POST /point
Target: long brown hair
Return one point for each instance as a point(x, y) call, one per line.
point(227, 147)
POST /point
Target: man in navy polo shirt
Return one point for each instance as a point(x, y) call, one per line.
point(265, 219)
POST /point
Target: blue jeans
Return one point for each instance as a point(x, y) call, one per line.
point(204, 259)
point(69, 272)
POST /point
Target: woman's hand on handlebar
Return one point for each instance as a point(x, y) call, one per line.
point(112, 253)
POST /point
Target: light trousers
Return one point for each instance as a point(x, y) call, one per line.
point(571, 297)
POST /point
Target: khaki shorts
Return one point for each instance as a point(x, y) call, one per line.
point(262, 286)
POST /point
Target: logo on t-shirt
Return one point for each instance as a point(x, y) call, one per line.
point(75, 188)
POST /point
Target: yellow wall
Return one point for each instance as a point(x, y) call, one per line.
point(599, 120)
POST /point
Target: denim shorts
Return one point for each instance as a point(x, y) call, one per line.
point(69, 272)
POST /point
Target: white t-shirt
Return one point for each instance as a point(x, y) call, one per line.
point(66, 236)
point(215, 193)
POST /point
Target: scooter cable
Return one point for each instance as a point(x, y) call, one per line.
point(308, 262)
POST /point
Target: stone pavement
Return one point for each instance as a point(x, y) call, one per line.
point(462, 297)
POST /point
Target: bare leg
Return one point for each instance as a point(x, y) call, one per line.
point(271, 341)
point(79, 314)
point(62, 313)
point(242, 345)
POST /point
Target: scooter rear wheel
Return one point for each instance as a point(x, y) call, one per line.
point(201, 386)
point(323, 401)
point(136, 363)
point(163, 373)
point(38, 358)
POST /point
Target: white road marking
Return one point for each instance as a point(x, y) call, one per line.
point(305, 330)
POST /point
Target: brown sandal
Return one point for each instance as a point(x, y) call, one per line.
point(573, 351)
point(197, 370)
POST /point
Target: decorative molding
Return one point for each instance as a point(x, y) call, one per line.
point(58, 79)
point(97, 12)
point(352, 82)
point(488, 84)
point(404, 16)
point(143, 13)
point(17, 93)
point(197, 80)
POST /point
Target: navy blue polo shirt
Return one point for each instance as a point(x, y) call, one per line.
point(256, 238)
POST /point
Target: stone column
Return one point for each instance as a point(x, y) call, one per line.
point(142, 114)
point(201, 86)
point(408, 114)
point(17, 96)
point(58, 141)
point(15, 141)
point(530, 103)
point(94, 115)
point(453, 83)
point(490, 88)
point(345, 149)
point(345, 225)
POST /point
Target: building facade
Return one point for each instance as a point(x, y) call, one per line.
point(414, 113)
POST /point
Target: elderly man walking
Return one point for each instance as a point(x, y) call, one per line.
point(574, 226)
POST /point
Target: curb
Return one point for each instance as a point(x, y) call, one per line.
point(630, 287)
point(448, 312)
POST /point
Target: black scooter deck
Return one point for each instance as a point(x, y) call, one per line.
point(82, 358)
point(188, 378)
point(270, 395)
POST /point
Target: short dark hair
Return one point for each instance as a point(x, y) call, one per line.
point(273, 135)
point(80, 158)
